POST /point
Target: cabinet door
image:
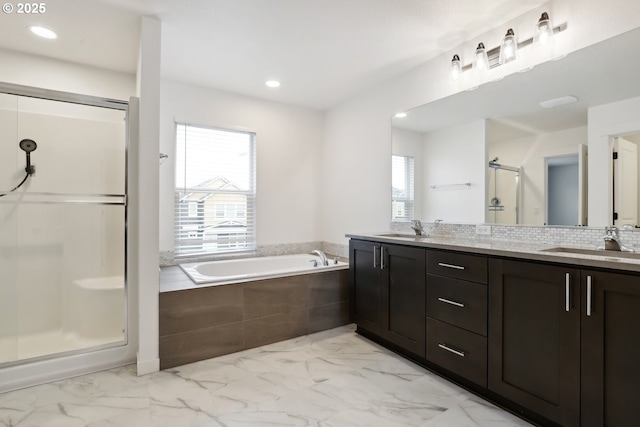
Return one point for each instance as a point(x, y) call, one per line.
point(364, 268)
point(610, 349)
point(403, 297)
point(534, 337)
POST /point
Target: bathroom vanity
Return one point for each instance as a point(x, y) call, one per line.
point(550, 335)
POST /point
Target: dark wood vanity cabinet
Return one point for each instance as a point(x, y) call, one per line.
point(534, 343)
point(565, 342)
point(556, 343)
point(388, 292)
point(610, 349)
point(457, 313)
point(364, 268)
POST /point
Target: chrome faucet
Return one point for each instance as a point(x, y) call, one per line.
point(323, 257)
point(417, 226)
point(612, 240)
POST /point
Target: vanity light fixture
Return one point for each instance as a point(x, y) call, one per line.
point(508, 50)
point(272, 83)
point(43, 32)
point(480, 58)
point(400, 115)
point(508, 47)
point(456, 67)
point(544, 30)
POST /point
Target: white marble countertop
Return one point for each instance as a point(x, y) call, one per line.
point(533, 251)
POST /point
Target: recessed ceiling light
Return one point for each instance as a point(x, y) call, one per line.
point(272, 83)
point(400, 115)
point(556, 102)
point(43, 32)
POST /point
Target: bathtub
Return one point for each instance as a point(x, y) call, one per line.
point(247, 269)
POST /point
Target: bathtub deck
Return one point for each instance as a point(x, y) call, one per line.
point(198, 323)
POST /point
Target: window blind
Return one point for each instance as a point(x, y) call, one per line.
point(215, 191)
point(402, 188)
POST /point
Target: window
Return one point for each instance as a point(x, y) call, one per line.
point(215, 191)
point(402, 198)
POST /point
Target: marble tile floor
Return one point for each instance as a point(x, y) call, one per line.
point(331, 378)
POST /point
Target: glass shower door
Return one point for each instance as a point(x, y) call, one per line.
point(62, 233)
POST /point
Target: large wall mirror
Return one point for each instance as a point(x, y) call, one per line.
point(495, 155)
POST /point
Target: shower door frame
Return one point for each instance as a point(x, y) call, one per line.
point(36, 370)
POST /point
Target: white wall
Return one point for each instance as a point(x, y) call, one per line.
point(461, 146)
point(356, 149)
point(617, 118)
point(288, 141)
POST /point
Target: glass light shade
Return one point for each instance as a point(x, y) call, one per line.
point(480, 59)
point(508, 48)
point(544, 30)
point(456, 67)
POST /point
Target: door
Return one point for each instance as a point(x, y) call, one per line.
point(610, 349)
point(534, 337)
point(582, 185)
point(364, 268)
point(404, 297)
point(625, 182)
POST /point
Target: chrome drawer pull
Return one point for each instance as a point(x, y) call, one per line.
point(456, 352)
point(457, 304)
point(457, 267)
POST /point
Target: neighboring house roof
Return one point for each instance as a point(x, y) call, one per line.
point(217, 183)
point(397, 193)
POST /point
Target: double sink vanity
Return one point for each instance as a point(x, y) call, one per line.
point(548, 332)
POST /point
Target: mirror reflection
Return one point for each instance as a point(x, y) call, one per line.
point(500, 154)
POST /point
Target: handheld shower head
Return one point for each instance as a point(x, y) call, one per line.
point(29, 145)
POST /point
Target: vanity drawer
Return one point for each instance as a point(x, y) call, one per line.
point(457, 265)
point(457, 302)
point(457, 350)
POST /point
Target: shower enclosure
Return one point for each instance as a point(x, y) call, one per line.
point(63, 231)
point(503, 194)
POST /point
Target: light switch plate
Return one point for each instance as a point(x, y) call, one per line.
point(484, 230)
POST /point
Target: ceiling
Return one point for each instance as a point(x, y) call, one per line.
point(323, 51)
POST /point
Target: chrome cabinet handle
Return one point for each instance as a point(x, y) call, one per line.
point(448, 301)
point(589, 295)
point(457, 267)
point(375, 264)
point(451, 350)
point(567, 292)
point(381, 257)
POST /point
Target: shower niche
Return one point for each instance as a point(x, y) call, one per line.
point(63, 230)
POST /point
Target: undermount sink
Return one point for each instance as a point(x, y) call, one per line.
point(597, 252)
point(402, 236)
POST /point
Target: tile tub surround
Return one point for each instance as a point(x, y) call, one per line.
point(198, 322)
point(332, 378)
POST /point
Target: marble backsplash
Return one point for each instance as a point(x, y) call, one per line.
point(569, 236)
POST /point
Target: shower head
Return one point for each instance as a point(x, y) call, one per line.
point(28, 145)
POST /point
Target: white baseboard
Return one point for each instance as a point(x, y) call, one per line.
point(145, 367)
